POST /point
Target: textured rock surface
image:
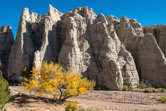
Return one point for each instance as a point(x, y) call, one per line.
point(6, 42)
point(117, 64)
point(108, 50)
point(36, 41)
point(149, 58)
point(159, 32)
point(92, 46)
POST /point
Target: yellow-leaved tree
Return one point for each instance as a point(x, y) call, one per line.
point(51, 79)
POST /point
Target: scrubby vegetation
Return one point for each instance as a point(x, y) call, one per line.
point(100, 87)
point(143, 87)
point(4, 92)
point(161, 89)
point(126, 88)
point(163, 99)
point(154, 98)
point(150, 90)
point(51, 79)
point(73, 106)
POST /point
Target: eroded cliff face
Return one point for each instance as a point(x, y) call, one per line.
point(112, 52)
point(93, 48)
point(149, 59)
point(159, 61)
point(6, 42)
point(159, 32)
point(36, 41)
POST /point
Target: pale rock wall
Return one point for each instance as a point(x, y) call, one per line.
point(110, 51)
point(36, 41)
point(93, 49)
point(149, 59)
point(117, 64)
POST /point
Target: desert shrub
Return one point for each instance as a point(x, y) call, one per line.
point(71, 106)
point(142, 86)
point(154, 98)
point(125, 88)
point(51, 79)
point(163, 99)
point(4, 92)
point(100, 87)
point(162, 89)
point(154, 90)
point(26, 73)
point(147, 90)
point(150, 90)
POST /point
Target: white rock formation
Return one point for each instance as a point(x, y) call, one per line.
point(110, 51)
point(150, 60)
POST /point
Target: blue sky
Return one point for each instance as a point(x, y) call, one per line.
point(147, 12)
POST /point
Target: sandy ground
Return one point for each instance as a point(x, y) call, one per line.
point(93, 100)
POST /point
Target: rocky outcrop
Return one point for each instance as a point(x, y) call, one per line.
point(110, 51)
point(117, 64)
point(6, 42)
point(78, 38)
point(159, 32)
point(36, 41)
point(150, 60)
point(93, 48)
point(22, 50)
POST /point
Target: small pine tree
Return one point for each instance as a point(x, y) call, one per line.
point(4, 92)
